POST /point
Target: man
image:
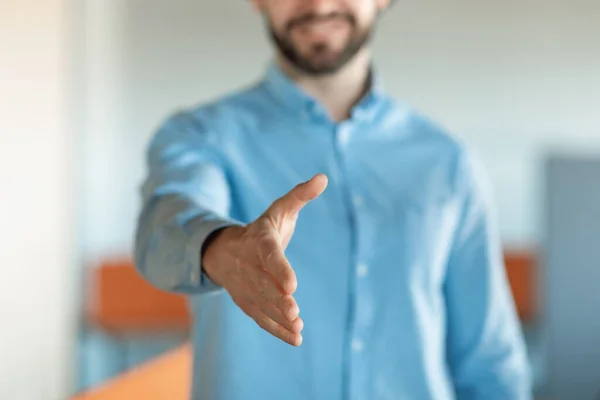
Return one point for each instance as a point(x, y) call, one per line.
point(380, 277)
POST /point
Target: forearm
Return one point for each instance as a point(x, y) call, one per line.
point(498, 369)
point(487, 353)
point(170, 235)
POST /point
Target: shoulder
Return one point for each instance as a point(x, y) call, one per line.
point(406, 122)
point(430, 132)
point(228, 113)
point(442, 150)
point(211, 122)
point(467, 172)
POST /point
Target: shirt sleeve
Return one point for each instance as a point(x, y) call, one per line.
point(185, 198)
point(486, 350)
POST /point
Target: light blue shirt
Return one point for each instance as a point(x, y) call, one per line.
point(401, 282)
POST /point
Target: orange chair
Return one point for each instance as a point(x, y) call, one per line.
point(122, 301)
point(521, 269)
point(128, 317)
point(166, 378)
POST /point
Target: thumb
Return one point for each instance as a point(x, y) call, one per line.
point(299, 196)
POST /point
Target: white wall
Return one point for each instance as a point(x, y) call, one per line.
point(36, 261)
point(512, 77)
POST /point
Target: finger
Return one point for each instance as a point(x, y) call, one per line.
point(266, 323)
point(299, 196)
point(267, 293)
point(285, 304)
point(276, 263)
point(294, 325)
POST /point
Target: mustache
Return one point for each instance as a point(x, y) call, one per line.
point(312, 17)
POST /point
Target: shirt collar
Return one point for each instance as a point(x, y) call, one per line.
point(290, 94)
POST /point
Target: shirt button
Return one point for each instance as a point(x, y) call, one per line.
point(358, 200)
point(344, 136)
point(357, 345)
point(362, 270)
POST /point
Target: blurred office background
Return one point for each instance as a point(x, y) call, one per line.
point(84, 83)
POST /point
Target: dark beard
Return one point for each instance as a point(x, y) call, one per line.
point(306, 64)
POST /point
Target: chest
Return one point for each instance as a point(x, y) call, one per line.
point(389, 201)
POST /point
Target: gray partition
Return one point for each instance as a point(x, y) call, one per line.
point(571, 278)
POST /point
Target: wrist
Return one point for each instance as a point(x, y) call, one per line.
point(214, 249)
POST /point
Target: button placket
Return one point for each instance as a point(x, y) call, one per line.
point(359, 321)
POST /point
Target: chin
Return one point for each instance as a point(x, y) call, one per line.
point(323, 69)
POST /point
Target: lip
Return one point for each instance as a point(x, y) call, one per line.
point(320, 27)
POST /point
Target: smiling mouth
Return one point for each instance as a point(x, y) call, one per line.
point(323, 26)
point(321, 22)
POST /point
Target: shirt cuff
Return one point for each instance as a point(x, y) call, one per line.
point(196, 241)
